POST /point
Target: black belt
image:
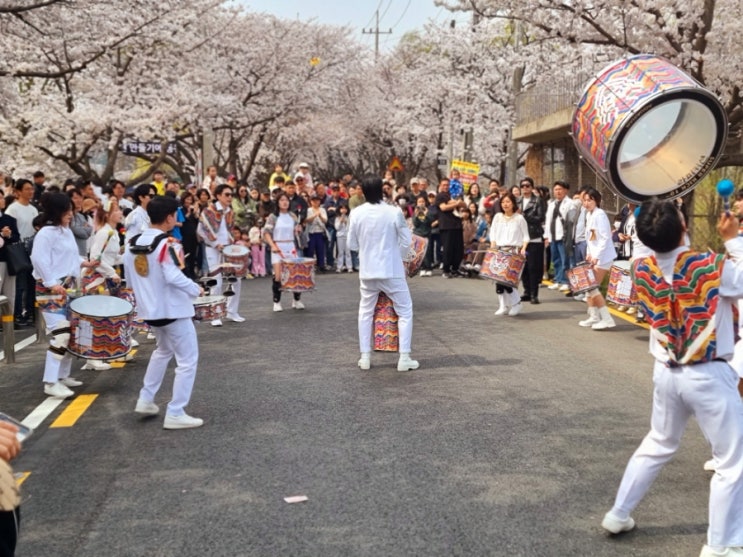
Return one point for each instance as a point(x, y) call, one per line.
point(673, 365)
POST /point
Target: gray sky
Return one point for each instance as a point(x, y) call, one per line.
point(399, 15)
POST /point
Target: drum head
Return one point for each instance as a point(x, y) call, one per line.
point(234, 250)
point(669, 147)
point(101, 306)
point(208, 300)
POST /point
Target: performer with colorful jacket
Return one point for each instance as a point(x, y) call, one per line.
point(689, 300)
point(153, 264)
point(215, 225)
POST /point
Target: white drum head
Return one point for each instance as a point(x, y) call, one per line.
point(667, 149)
point(101, 306)
point(208, 300)
point(234, 250)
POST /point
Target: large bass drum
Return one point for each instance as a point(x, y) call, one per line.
point(649, 129)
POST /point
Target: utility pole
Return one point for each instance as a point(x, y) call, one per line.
point(376, 32)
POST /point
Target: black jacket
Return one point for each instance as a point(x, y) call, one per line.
point(10, 222)
point(534, 212)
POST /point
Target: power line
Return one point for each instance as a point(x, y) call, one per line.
point(403, 14)
point(372, 17)
point(384, 13)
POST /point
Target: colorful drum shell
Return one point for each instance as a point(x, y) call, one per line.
point(622, 95)
point(100, 327)
point(298, 275)
point(503, 267)
point(138, 323)
point(209, 308)
point(621, 289)
point(386, 334)
point(239, 256)
point(582, 278)
point(416, 254)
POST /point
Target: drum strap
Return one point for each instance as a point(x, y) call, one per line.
point(146, 249)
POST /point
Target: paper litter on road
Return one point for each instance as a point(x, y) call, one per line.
point(296, 499)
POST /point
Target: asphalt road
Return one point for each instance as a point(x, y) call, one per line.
point(509, 440)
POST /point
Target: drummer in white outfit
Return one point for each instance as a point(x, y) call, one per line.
point(600, 253)
point(57, 265)
point(381, 237)
point(137, 221)
point(215, 224)
point(165, 300)
point(705, 389)
point(509, 231)
point(279, 232)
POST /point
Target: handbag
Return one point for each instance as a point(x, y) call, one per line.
point(17, 259)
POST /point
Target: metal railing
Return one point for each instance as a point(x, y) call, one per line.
point(544, 99)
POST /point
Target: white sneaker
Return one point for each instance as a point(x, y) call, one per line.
point(406, 363)
point(184, 421)
point(133, 343)
point(515, 310)
point(502, 310)
point(617, 525)
point(579, 297)
point(554, 286)
point(631, 310)
point(593, 318)
point(57, 390)
point(70, 382)
point(235, 317)
point(710, 465)
point(604, 324)
point(707, 551)
point(217, 323)
point(96, 365)
point(277, 306)
point(297, 304)
point(146, 408)
point(563, 288)
point(150, 336)
point(365, 361)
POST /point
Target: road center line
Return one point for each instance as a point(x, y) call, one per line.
point(72, 413)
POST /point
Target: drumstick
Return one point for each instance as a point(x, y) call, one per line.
point(725, 189)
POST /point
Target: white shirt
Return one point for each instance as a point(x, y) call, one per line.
point(379, 233)
point(565, 207)
point(165, 293)
point(110, 256)
point(55, 255)
point(599, 244)
point(506, 231)
point(136, 223)
point(24, 216)
point(284, 229)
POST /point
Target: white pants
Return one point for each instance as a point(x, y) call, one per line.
point(397, 291)
point(55, 369)
point(709, 392)
point(177, 339)
point(233, 302)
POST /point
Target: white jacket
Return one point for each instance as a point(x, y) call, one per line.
point(379, 233)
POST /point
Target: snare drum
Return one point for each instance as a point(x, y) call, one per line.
point(239, 257)
point(100, 327)
point(582, 278)
point(621, 289)
point(648, 129)
point(503, 267)
point(298, 275)
point(416, 254)
point(209, 308)
point(386, 334)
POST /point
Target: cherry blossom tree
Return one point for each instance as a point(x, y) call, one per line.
point(699, 36)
